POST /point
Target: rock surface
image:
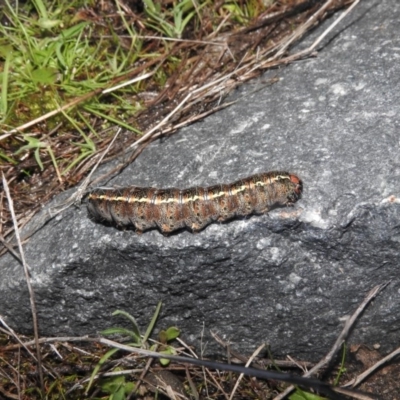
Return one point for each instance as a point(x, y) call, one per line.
point(288, 278)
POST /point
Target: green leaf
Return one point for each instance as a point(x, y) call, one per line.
point(110, 118)
point(38, 160)
point(33, 143)
point(172, 333)
point(129, 387)
point(4, 85)
point(45, 75)
point(40, 8)
point(132, 319)
point(8, 159)
point(164, 362)
point(98, 366)
point(342, 368)
point(46, 23)
point(152, 322)
point(112, 385)
point(73, 31)
point(117, 387)
point(300, 395)
point(119, 394)
point(122, 331)
point(169, 350)
point(6, 50)
point(150, 6)
point(162, 336)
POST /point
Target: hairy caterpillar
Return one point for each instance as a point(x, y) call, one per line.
point(194, 208)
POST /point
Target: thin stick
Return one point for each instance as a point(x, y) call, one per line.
point(51, 113)
point(341, 338)
point(28, 281)
point(123, 84)
point(46, 340)
point(161, 123)
point(204, 370)
point(322, 387)
point(170, 39)
point(356, 381)
point(9, 395)
point(250, 360)
point(302, 28)
point(77, 196)
point(10, 248)
point(265, 362)
point(354, 395)
point(309, 50)
point(72, 104)
point(321, 37)
point(11, 332)
point(192, 386)
point(144, 372)
point(80, 383)
point(152, 354)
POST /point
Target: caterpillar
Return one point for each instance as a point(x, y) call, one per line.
point(171, 209)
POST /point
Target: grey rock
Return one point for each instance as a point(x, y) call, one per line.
point(289, 278)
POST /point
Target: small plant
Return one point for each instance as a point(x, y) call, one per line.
point(37, 145)
point(301, 395)
point(117, 386)
point(173, 22)
point(48, 63)
point(165, 337)
point(342, 368)
point(243, 13)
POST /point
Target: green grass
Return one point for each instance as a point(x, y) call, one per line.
point(118, 386)
point(58, 54)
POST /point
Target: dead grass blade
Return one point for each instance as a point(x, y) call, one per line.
point(75, 102)
point(161, 123)
point(253, 356)
point(28, 282)
point(356, 381)
point(265, 362)
point(321, 387)
point(341, 338)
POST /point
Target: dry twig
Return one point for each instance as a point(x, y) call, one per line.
point(340, 340)
point(356, 381)
point(264, 362)
point(28, 282)
point(279, 376)
point(253, 356)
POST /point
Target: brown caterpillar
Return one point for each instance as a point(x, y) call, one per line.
point(194, 208)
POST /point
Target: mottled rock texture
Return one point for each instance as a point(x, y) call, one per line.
point(288, 278)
